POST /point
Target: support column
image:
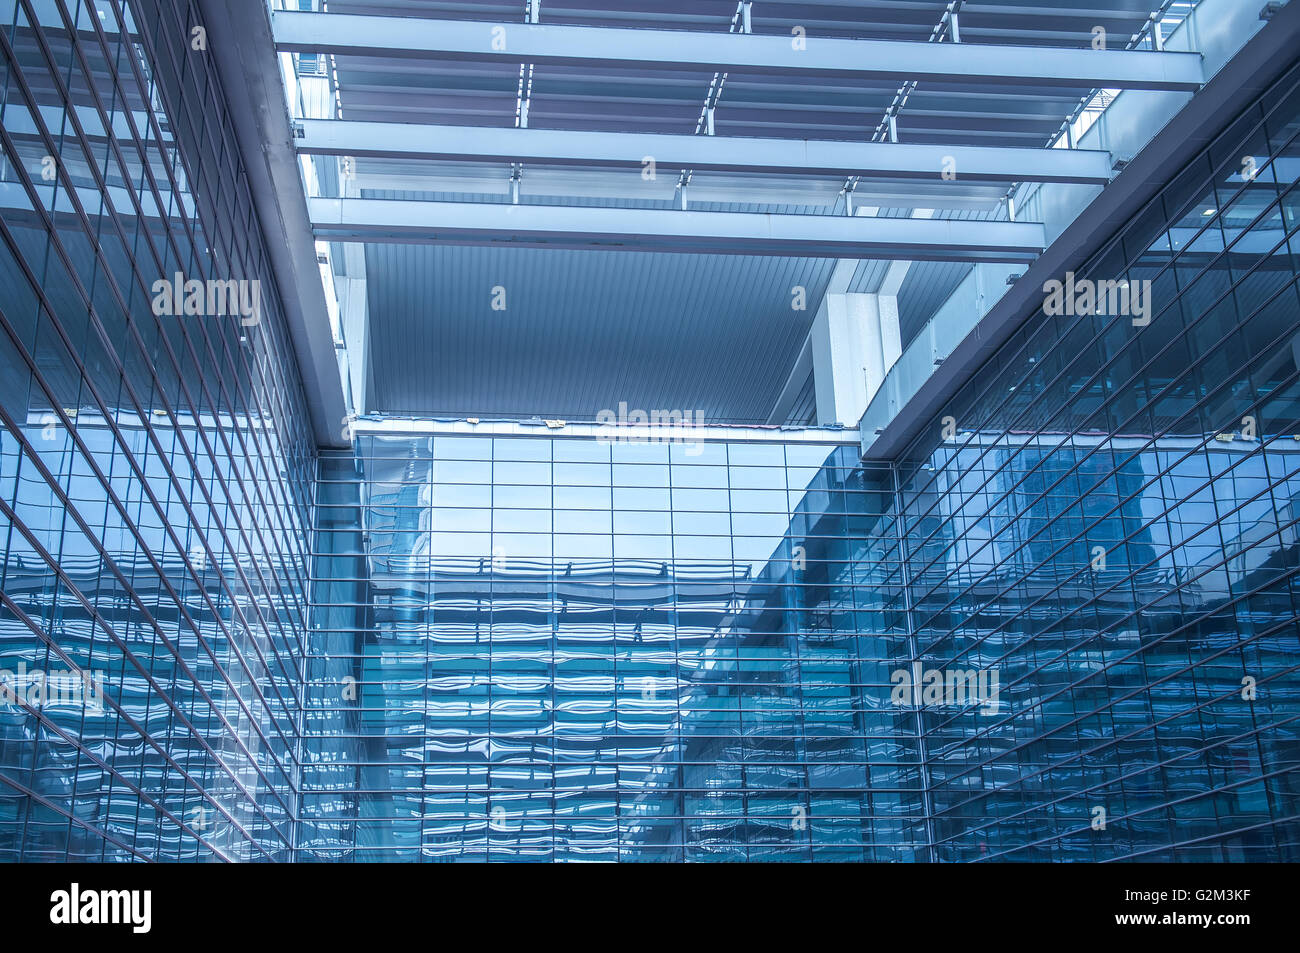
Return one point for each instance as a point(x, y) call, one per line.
point(855, 341)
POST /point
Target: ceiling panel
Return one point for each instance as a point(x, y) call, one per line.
point(583, 330)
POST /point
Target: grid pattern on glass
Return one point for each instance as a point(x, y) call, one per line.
point(1106, 517)
point(558, 649)
point(1084, 575)
point(155, 471)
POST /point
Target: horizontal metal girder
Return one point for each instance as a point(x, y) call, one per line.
point(891, 60)
point(710, 153)
point(671, 230)
point(575, 183)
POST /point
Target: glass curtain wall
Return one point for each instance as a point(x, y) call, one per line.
point(1062, 626)
point(155, 469)
point(1106, 517)
point(563, 649)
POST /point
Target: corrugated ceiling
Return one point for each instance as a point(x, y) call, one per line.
point(583, 330)
point(717, 334)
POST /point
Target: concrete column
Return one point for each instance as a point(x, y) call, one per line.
point(855, 341)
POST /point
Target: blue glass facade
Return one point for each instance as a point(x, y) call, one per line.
point(1108, 515)
point(448, 645)
point(1101, 526)
point(567, 649)
point(155, 471)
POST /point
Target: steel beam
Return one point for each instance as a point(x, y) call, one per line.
point(391, 140)
point(891, 60)
point(239, 34)
point(736, 233)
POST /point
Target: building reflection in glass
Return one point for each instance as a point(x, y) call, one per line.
point(559, 649)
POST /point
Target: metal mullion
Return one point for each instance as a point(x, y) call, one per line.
point(1209, 837)
point(1178, 588)
point(56, 242)
point(1167, 267)
point(1139, 653)
point(148, 172)
point(46, 802)
point(1099, 375)
point(122, 713)
point(1136, 654)
point(141, 481)
point(1073, 470)
point(1167, 804)
point(103, 622)
point(1164, 806)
